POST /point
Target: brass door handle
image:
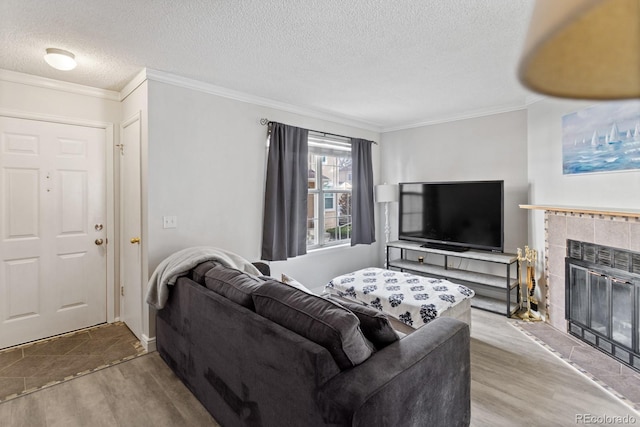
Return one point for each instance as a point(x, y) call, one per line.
point(99, 242)
point(135, 240)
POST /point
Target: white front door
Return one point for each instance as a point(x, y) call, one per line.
point(52, 229)
point(132, 285)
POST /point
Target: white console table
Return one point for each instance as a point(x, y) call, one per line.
point(494, 292)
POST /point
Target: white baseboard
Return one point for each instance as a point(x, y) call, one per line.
point(149, 344)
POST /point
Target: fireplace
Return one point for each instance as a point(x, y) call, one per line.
point(617, 231)
point(602, 298)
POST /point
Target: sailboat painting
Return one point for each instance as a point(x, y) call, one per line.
point(602, 138)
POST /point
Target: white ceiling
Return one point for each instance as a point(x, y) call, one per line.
point(387, 64)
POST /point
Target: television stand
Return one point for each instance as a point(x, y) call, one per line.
point(445, 247)
point(493, 276)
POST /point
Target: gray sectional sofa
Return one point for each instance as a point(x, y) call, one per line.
point(249, 370)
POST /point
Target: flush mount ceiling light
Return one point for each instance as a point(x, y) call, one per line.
point(60, 59)
point(584, 49)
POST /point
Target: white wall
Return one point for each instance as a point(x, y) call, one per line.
point(485, 148)
point(548, 186)
point(207, 159)
point(53, 102)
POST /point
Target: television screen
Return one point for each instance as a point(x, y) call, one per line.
point(453, 215)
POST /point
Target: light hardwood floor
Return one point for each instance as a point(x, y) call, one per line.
point(138, 393)
point(515, 382)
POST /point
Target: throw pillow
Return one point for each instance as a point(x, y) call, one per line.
point(374, 324)
point(233, 284)
point(293, 282)
point(315, 318)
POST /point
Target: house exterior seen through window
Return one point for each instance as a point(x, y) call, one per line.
point(329, 201)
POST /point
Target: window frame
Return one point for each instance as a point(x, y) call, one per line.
point(319, 193)
point(326, 195)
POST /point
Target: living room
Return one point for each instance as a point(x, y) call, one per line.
point(203, 161)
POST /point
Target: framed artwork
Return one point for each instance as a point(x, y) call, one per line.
point(602, 138)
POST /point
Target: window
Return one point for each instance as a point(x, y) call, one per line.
point(329, 202)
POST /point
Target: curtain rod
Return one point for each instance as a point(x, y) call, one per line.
point(267, 122)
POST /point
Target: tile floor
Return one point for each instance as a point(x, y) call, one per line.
point(606, 371)
point(31, 366)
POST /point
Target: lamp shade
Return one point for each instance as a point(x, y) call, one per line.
point(386, 193)
point(584, 49)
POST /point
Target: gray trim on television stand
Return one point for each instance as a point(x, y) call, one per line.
point(492, 291)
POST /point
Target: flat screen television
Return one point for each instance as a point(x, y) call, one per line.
point(453, 215)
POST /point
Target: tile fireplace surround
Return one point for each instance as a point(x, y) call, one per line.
point(609, 227)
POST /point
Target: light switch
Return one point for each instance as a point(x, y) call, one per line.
point(170, 222)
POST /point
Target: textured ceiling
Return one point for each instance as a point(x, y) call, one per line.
point(386, 63)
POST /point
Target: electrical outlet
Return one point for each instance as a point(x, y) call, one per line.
point(169, 222)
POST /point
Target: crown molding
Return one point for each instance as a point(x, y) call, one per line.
point(43, 82)
point(140, 78)
point(464, 116)
point(187, 83)
point(168, 78)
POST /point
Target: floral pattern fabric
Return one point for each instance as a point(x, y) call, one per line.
point(413, 300)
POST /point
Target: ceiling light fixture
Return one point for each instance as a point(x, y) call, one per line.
point(60, 59)
point(584, 49)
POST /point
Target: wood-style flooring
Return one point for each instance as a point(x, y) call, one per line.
point(515, 382)
point(618, 378)
point(35, 365)
point(140, 392)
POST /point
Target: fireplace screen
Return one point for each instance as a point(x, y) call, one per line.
point(602, 299)
point(599, 304)
point(622, 316)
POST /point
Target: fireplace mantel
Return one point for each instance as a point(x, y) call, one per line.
point(633, 213)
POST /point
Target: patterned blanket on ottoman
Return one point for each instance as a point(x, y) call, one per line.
point(413, 300)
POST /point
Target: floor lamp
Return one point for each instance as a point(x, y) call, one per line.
point(386, 193)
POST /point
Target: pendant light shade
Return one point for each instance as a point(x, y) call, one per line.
point(584, 49)
point(60, 59)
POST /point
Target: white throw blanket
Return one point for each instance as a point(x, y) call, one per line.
point(179, 264)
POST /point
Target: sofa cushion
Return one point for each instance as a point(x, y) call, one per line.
point(374, 324)
point(198, 272)
point(315, 318)
point(233, 284)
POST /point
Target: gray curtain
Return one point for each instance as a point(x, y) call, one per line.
point(363, 228)
point(284, 231)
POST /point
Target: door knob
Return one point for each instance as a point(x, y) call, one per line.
point(135, 240)
point(99, 242)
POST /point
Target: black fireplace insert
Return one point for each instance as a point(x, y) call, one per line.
point(602, 290)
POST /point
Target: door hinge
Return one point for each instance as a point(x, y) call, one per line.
point(121, 290)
